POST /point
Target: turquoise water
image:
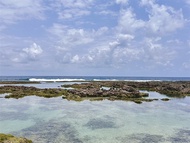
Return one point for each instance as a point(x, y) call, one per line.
point(56, 120)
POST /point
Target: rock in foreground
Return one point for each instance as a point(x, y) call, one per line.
point(6, 138)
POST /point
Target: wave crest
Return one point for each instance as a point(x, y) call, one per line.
point(54, 80)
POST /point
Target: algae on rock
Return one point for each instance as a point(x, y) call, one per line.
point(7, 138)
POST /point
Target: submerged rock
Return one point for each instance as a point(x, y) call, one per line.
point(145, 138)
point(100, 124)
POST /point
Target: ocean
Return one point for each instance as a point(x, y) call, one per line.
point(57, 120)
point(90, 78)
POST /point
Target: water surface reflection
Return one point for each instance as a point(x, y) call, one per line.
point(56, 120)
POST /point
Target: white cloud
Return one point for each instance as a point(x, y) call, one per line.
point(71, 13)
point(70, 36)
point(75, 59)
point(126, 37)
point(34, 51)
point(72, 44)
point(126, 55)
point(128, 22)
point(68, 9)
point(106, 12)
point(73, 3)
point(155, 52)
point(114, 44)
point(92, 33)
point(13, 10)
point(11, 54)
point(162, 18)
point(122, 1)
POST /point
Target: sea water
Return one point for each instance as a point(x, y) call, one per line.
point(56, 120)
point(89, 78)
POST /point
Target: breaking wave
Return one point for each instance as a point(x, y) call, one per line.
point(54, 80)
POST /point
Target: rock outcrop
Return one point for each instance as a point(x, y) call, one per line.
point(7, 138)
point(111, 90)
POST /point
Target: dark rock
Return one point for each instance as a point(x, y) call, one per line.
point(118, 90)
point(100, 124)
point(165, 99)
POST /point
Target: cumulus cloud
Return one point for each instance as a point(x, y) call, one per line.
point(92, 33)
point(70, 36)
point(75, 40)
point(162, 18)
point(126, 43)
point(11, 54)
point(75, 59)
point(128, 22)
point(34, 51)
point(156, 53)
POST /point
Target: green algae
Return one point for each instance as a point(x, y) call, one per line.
point(118, 90)
point(22, 91)
point(7, 138)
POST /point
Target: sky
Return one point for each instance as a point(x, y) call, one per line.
point(95, 37)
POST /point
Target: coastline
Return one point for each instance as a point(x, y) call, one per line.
point(99, 90)
point(129, 91)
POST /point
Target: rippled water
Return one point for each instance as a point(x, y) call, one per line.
point(56, 120)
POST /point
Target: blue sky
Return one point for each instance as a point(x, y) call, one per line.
point(95, 37)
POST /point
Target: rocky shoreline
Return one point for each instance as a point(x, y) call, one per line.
point(111, 90)
point(7, 138)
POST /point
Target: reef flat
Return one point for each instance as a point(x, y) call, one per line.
point(22, 91)
point(7, 138)
point(111, 90)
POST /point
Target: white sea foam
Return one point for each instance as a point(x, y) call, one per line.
point(124, 80)
point(54, 80)
point(81, 79)
point(142, 80)
point(105, 80)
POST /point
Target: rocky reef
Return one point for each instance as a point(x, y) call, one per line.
point(7, 138)
point(169, 88)
point(105, 90)
point(111, 90)
point(125, 90)
point(21, 91)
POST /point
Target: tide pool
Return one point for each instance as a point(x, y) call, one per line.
point(56, 120)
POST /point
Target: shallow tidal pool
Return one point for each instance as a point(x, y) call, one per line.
point(54, 120)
